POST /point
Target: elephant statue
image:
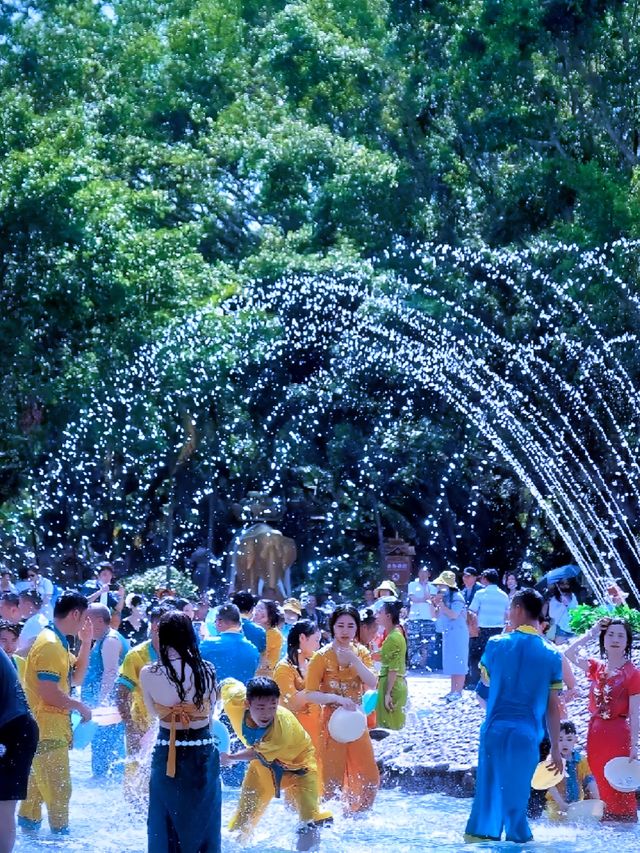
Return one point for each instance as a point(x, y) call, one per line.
point(260, 557)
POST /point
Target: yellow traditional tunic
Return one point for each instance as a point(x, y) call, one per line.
point(272, 653)
point(349, 768)
point(285, 750)
point(291, 682)
point(49, 659)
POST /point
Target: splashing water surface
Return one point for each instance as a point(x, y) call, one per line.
point(100, 821)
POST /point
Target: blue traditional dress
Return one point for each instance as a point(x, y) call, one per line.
point(522, 669)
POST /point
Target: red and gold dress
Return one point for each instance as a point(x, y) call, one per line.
point(609, 731)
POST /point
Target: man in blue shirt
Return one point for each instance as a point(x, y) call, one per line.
point(245, 602)
point(233, 656)
point(524, 675)
point(230, 651)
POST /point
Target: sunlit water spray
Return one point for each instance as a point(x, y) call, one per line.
point(507, 339)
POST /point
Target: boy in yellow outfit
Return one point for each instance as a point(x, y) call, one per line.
point(578, 783)
point(50, 671)
point(281, 756)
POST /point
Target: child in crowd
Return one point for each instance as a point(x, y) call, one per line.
point(281, 756)
point(579, 783)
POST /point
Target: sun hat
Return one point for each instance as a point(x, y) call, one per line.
point(346, 726)
point(293, 605)
point(389, 586)
point(446, 579)
point(623, 774)
point(544, 777)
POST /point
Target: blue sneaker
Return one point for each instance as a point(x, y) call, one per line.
point(29, 825)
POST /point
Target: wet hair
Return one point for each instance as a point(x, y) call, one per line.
point(105, 566)
point(393, 609)
point(491, 575)
point(182, 603)
point(262, 688)
point(568, 727)
point(229, 613)
point(274, 613)
point(244, 601)
point(303, 626)
point(176, 632)
point(135, 601)
point(617, 620)
point(31, 595)
point(345, 610)
point(13, 628)
point(69, 601)
point(530, 600)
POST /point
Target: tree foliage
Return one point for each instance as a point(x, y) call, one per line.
point(163, 165)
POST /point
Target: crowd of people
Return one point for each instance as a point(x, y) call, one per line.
point(150, 680)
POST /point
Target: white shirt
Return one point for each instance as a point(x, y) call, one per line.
point(421, 609)
point(559, 610)
point(31, 629)
point(491, 605)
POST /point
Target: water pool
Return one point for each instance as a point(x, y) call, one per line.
point(399, 822)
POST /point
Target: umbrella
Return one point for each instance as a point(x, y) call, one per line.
point(562, 573)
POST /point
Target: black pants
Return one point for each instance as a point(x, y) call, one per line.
point(20, 739)
point(476, 650)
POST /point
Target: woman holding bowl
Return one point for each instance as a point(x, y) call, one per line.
point(614, 706)
point(338, 675)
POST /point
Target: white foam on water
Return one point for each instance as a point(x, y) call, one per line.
point(101, 822)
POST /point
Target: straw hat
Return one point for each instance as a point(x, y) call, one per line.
point(293, 605)
point(446, 579)
point(386, 586)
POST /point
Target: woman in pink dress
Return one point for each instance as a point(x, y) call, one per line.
point(614, 705)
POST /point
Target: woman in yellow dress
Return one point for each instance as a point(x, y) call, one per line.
point(338, 674)
point(290, 674)
point(392, 687)
point(267, 614)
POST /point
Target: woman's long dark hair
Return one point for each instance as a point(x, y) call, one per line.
point(175, 631)
point(302, 626)
point(393, 608)
point(274, 613)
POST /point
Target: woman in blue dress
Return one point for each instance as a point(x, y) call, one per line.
point(449, 611)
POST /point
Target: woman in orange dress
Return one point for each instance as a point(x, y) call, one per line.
point(338, 675)
point(268, 614)
point(290, 674)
